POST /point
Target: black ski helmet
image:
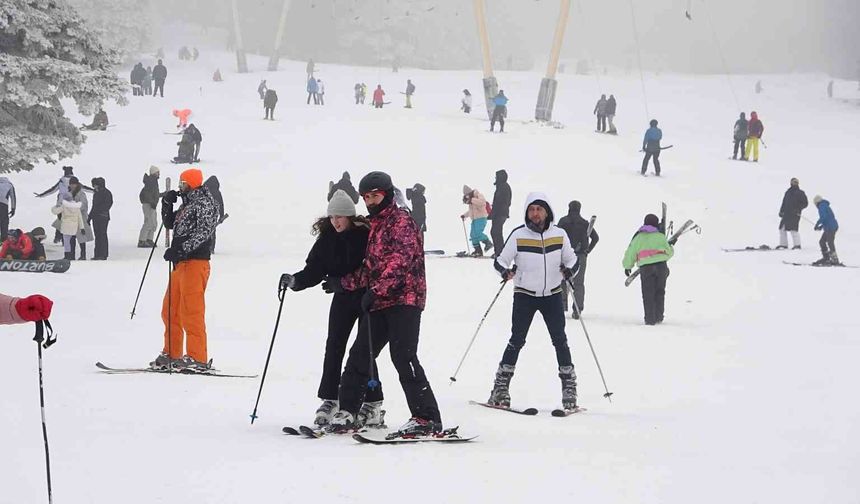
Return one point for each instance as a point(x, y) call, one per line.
point(375, 181)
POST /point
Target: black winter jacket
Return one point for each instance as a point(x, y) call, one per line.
point(502, 197)
point(150, 194)
point(102, 200)
point(335, 254)
point(793, 203)
point(159, 72)
point(576, 228)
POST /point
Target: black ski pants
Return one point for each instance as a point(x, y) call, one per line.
point(344, 312)
point(270, 113)
point(159, 88)
point(740, 143)
point(497, 233)
point(552, 310)
point(653, 277)
point(601, 122)
point(648, 156)
point(499, 114)
point(4, 221)
point(827, 242)
point(399, 327)
point(100, 227)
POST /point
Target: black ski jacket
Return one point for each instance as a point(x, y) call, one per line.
point(576, 228)
point(335, 254)
point(793, 202)
point(502, 197)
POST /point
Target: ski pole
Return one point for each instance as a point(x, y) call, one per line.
point(145, 270)
point(281, 292)
point(373, 382)
point(465, 235)
point(41, 342)
point(608, 394)
point(468, 348)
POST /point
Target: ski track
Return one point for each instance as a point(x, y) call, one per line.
point(744, 395)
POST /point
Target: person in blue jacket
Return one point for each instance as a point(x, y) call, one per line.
point(313, 89)
point(500, 111)
point(826, 223)
point(651, 147)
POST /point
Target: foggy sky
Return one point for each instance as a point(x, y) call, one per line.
point(755, 36)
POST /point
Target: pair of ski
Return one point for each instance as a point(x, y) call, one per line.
point(212, 372)
point(688, 226)
point(446, 436)
point(760, 248)
point(558, 412)
point(840, 265)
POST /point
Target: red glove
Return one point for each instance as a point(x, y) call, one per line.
point(34, 308)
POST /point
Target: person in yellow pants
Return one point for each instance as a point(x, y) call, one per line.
point(756, 128)
point(184, 307)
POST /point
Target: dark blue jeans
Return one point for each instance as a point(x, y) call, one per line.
point(552, 310)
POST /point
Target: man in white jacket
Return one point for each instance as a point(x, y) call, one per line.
point(538, 257)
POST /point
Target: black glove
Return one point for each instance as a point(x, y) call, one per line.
point(673, 241)
point(174, 255)
point(567, 272)
point(367, 300)
point(12, 213)
point(170, 197)
point(817, 227)
point(508, 274)
point(332, 285)
point(287, 281)
point(627, 272)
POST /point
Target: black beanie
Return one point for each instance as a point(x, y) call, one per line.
point(652, 220)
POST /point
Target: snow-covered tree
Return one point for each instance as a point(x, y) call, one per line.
point(124, 25)
point(47, 53)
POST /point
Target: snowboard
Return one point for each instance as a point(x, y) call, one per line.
point(213, 372)
point(24, 266)
point(527, 411)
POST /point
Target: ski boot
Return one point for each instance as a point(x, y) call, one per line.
point(781, 247)
point(488, 245)
point(162, 362)
point(834, 259)
point(478, 252)
point(568, 387)
point(342, 423)
point(796, 247)
point(188, 365)
point(416, 428)
point(324, 413)
point(371, 415)
point(500, 395)
point(824, 261)
point(142, 244)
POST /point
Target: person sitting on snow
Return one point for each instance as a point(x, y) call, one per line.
point(100, 121)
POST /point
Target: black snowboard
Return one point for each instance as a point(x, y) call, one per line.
point(17, 265)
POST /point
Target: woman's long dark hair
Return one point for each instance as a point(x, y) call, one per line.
point(323, 224)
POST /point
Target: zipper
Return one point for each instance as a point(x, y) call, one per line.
point(543, 251)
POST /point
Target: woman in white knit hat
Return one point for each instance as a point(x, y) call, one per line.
point(339, 249)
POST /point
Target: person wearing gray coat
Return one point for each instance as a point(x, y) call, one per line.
point(600, 111)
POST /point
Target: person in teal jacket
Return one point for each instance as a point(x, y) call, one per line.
point(828, 225)
point(650, 250)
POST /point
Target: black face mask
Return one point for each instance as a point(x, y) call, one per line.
point(382, 205)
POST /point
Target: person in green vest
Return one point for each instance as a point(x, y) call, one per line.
point(650, 250)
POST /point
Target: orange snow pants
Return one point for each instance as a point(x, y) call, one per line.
point(184, 310)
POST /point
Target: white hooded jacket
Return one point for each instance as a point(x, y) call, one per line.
point(538, 256)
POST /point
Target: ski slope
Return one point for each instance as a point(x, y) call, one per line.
point(745, 394)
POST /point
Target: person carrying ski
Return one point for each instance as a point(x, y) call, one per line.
point(269, 103)
point(538, 257)
point(611, 106)
point(478, 212)
point(500, 111)
point(583, 243)
point(393, 273)
point(184, 307)
point(345, 185)
point(466, 102)
point(741, 132)
point(650, 250)
point(339, 249)
point(756, 129)
point(100, 218)
point(100, 122)
point(600, 112)
point(8, 204)
point(500, 211)
point(828, 225)
point(651, 147)
point(313, 88)
point(793, 203)
point(22, 310)
point(415, 194)
point(378, 96)
point(410, 90)
point(159, 75)
point(69, 223)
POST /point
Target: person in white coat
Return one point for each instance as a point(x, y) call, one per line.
point(69, 223)
point(538, 257)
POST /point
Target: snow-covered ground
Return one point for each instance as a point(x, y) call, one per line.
point(745, 394)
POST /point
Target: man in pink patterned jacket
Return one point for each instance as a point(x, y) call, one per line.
point(29, 309)
point(393, 272)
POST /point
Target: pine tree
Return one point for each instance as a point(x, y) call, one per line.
point(125, 25)
point(48, 53)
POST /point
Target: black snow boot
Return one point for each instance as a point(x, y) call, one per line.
point(488, 245)
point(478, 252)
point(500, 395)
point(568, 387)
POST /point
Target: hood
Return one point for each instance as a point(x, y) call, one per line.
point(501, 177)
point(535, 196)
point(743, 116)
point(99, 182)
point(648, 229)
point(212, 182)
point(418, 188)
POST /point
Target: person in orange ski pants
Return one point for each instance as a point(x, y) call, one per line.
point(184, 307)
